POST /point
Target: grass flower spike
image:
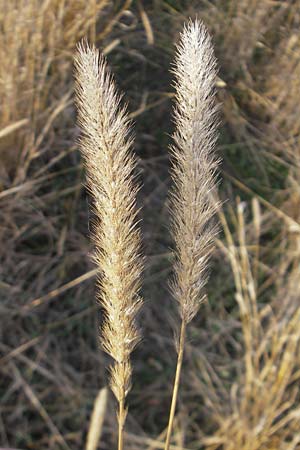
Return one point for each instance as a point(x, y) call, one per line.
point(194, 177)
point(106, 148)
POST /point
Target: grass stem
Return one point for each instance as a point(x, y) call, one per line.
point(176, 384)
point(121, 421)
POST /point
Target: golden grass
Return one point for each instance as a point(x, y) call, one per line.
point(264, 412)
point(38, 38)
point(106, 148)
point(97, 420)
point(194, 178)
point(105, 145)
point(249, 396)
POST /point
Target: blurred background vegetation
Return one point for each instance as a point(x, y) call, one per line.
point(240, 385)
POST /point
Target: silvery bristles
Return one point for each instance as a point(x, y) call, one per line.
point(194, 165)
point(194, 178)
point(109, 162)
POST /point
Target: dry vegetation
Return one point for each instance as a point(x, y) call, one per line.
point(240, 380)
point(106, 147)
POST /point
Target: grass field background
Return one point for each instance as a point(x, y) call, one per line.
point(240, 383)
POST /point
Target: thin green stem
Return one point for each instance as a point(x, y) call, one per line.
point(176, 384)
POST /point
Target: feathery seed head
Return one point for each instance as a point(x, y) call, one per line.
point(105, 145)
point(194, 165)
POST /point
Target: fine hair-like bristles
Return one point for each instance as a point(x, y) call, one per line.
point(194, 178)
point(194, 165)
point(109, 162)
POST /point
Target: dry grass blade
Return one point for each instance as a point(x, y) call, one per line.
point(34, 400)
point(263, 406)
point(146, 23)
point(194, 177)
point(71, 284)
point(13, 127)
point(97, 420)
point(26, 90)
point(105, 146)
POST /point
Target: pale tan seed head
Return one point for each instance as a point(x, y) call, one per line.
point(106, 148)
point(194, 165)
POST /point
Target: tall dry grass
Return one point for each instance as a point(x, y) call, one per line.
point(256, 44)
point(194, 178)
point(106, 148)
point(251, 391)
point(37, 42)
point(47, 352)
point(262, 411)
point(42, 246)
point(36, 125)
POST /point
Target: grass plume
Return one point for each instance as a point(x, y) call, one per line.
point(194, 177)
point(109, 162)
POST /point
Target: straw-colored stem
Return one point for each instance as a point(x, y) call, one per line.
point(176, 384)
point(121, 420)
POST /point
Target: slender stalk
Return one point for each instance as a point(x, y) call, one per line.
point(176, 384)
point(121, 420)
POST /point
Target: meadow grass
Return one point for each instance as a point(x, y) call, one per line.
point(239, 380)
